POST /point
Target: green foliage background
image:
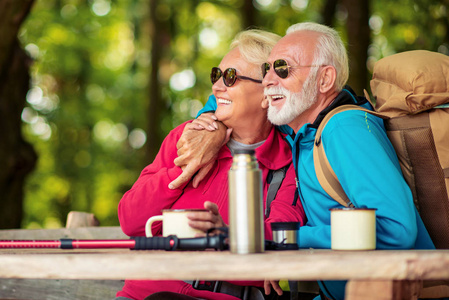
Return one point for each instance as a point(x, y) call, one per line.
point(87, 106)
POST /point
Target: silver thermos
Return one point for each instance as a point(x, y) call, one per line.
point(246, 221)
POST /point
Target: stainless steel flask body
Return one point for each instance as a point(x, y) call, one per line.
point(246, 223)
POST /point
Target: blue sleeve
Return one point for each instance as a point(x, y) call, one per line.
point(366, 164)
point(317, 237)
point(211, 106)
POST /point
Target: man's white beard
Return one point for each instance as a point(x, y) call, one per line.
point(295, 103)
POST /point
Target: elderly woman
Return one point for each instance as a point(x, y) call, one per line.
point(239, 93)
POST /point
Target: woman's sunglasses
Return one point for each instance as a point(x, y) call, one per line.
point(229, 76)
point(281, 68)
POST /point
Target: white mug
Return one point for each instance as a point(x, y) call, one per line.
point(174, 222)
point(353, 228)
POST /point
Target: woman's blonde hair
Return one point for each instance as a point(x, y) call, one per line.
point(255, 45)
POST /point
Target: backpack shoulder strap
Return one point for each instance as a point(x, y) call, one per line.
point(324, 172)
point(275, 184)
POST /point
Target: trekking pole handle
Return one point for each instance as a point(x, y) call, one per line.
point(172, 243)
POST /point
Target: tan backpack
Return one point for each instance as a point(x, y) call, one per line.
point(412, 96)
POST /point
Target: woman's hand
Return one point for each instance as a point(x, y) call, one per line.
point(205, 121)
point(272, 283)
point(207, 219)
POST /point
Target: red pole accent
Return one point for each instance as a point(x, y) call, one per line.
point(29, 244)
point(77, 244)
point(95, 244)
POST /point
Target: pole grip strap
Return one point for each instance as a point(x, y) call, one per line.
point(156, 243)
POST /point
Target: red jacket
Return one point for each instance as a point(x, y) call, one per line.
point(150, 194)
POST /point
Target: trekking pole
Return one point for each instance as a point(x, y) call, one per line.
point(170, 243)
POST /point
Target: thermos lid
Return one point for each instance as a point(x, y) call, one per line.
point(275, 226)
point(244, 151)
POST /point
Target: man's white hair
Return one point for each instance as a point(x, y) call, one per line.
point(330, 50)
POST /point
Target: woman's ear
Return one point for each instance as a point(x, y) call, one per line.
point(327, 79)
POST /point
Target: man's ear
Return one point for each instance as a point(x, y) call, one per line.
point(264, 102)
point(327, 78)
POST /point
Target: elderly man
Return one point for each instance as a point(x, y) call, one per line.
point(304, 79)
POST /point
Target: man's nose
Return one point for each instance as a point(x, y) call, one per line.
point(270, 78)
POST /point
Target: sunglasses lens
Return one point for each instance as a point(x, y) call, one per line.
point(230, 76)
point(281, 68)
point(215, 74)
point(265, 69)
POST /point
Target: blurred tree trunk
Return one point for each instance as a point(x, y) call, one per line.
point(248, 14)
point(159, 39)
point(328, 12)
point(17, 157)
point(359, 39)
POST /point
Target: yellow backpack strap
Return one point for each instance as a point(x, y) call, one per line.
point(324, 172)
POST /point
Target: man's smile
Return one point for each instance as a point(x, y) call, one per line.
point(275, 99)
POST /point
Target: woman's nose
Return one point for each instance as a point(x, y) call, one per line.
point(219, 85)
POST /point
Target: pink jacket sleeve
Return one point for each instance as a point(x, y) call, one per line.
point(150, 193)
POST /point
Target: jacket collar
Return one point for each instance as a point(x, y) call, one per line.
point(346, 96)
point(275, 152)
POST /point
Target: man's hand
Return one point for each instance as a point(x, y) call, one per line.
point(198, 149)
point(272, 283)
point(207, 219)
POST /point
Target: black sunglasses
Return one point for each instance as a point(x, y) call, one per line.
point(281, 68)
point(229, 76)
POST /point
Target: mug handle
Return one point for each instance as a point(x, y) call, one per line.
point(150, 221)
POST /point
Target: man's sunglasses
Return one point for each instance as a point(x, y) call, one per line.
point(229, 76)
point(281, 68)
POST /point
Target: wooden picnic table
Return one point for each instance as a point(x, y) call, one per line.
point(223, 265)
point(379, 274)
point(378, 271)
